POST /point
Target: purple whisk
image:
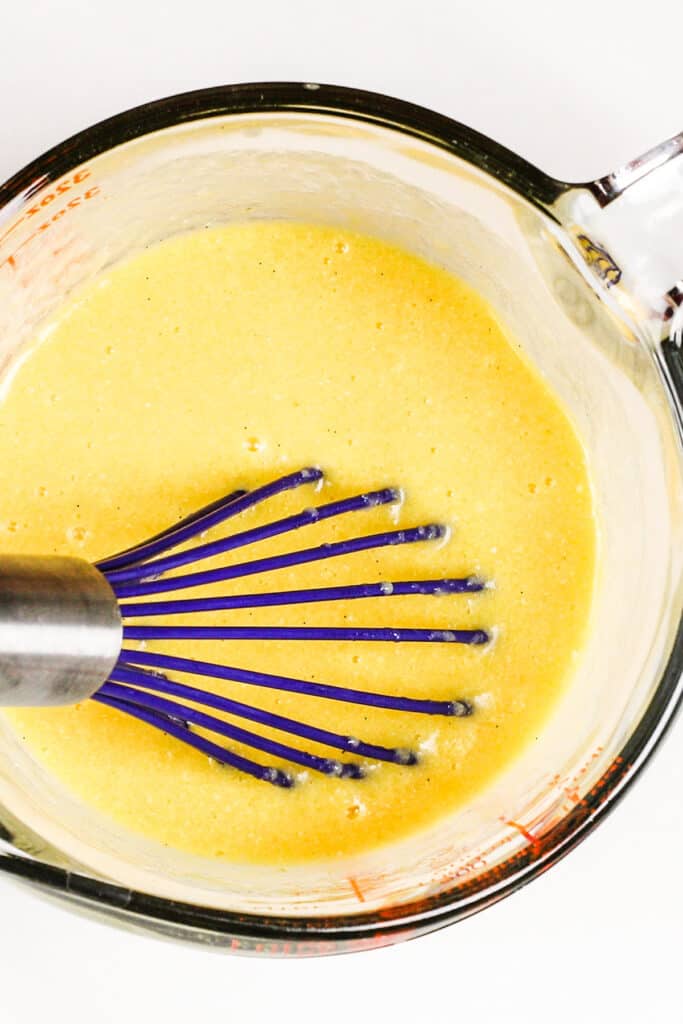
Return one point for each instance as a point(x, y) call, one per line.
point(139, 685)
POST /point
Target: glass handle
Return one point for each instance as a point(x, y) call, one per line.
point(670, 358)
point(627, 233)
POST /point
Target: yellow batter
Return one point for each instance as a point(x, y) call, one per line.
point(229, 357)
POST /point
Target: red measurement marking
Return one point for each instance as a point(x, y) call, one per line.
point(13, 228)
point(569, 784)
point(61, 189)
point(356, 889)
point(524, 832)
point(73, 204)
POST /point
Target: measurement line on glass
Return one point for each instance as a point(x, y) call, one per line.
point(73, 203)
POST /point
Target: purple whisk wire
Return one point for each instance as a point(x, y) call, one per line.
point(351, 633)
point(464, 585)
point(209, 516)
point(161, 684)
point(272, 564)
point(182, 733)
point(308, 517)
point(191, 666)
point(190, 716)
point(167, 536)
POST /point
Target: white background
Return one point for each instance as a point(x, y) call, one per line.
point(576, 88)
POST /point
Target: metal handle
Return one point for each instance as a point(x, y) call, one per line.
point(60, 630)
point(628, 230)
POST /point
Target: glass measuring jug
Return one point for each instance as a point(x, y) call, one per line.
point(588, 277)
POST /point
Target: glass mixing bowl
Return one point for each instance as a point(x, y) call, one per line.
point(586, 277)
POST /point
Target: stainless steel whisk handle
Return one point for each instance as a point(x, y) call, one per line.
point(60, 630)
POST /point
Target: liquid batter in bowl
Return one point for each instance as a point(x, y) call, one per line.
point(226, 358)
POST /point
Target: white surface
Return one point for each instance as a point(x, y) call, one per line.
point(577, 89)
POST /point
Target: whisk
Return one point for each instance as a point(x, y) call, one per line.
point(66, 628)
